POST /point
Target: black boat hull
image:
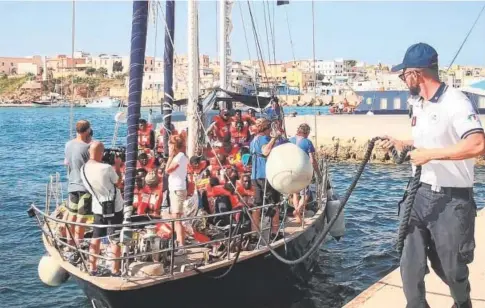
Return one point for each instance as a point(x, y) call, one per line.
point(261, 281)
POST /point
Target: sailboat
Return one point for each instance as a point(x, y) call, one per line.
point(222, 270)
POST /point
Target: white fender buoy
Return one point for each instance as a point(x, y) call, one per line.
point(120, 117)
point(288, 169)
point(51, 273)
point(338, 228)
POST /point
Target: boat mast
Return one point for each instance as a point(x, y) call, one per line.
point(223, 49)
point(168, 72)
point(193, 82)
point(137, 63)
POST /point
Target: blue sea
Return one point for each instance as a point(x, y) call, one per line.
point(31, 148)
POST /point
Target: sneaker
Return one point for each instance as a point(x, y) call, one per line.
point(180, 252)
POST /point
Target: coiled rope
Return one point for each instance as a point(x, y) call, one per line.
point(403, 228)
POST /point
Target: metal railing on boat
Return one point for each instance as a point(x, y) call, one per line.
point(45, 219)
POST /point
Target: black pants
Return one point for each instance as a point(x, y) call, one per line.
point(442, 227)
point(272, 196)
point(100, 220)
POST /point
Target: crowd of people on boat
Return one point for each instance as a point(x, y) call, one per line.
point(225, 175)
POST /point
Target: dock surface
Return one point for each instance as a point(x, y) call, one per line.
point(388, 291)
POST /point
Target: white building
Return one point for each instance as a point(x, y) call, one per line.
point(27, 68)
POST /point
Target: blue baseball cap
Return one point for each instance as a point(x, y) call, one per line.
point(419, 55)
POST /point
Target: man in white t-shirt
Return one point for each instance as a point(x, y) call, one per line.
point(447, 134)
point(177, 184)
point(100, 180)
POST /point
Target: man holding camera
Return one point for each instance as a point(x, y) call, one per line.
point(100, 179)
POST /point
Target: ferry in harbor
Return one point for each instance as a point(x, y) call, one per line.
point(395, 102)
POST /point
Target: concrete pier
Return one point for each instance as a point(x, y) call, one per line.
point(388, 291)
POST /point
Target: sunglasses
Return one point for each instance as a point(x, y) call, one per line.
point(404, 75)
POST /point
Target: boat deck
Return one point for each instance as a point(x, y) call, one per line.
point(389, 289)
point(194, 256)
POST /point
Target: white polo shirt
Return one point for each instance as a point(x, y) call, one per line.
point(441, 122)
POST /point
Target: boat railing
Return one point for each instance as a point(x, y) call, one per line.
point(47, 221)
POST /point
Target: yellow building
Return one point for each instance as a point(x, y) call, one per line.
point(286, 73)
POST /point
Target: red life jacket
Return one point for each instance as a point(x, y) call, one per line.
point(149, 166)
point(219, 190)
point(144, 137)
point(239, 136)
point(215, 167)
point(222, 127)
point(141, 200)
point(160, 139)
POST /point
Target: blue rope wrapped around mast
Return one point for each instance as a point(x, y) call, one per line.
point(168, 73)
point(137, 63)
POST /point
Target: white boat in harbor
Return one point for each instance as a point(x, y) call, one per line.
point(104, 102)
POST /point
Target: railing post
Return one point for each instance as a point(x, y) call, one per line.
point(172, 255)
point(77, 248)
point(230, 238)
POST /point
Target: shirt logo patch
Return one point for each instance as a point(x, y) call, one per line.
point(473, 117)
point(413, 121)
point(434, 118)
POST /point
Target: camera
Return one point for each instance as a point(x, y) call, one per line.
point(110, 155)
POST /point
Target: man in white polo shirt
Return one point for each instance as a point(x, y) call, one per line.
point(447, 135)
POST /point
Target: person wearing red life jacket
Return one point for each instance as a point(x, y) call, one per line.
point(239, 133)
point(224, 190)
point(146, 135)
point(145, 162)
point(218, 163)
point(141, 193)
point(220, 126)
point(246, 192)
point(161, 137)
point(155, 187)
point(250, 116)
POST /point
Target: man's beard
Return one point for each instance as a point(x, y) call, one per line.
point(414, 90)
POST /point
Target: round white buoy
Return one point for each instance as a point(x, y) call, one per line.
point(51, 273)
point(288, 169)
point(120, 117)
point(338, 228)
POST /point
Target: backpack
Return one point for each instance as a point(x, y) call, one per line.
point(222, 204)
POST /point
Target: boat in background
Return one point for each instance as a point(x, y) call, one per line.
point(105, 102)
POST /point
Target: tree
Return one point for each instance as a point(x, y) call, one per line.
point(90, 71)
point(351, 63)
point(102, 72)
point(117, 66)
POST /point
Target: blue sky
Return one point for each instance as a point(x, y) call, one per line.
point(368, 31)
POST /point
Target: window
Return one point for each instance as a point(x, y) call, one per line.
point(383, 103)
point(397, 103)
point(11, 63)
point(481, 102)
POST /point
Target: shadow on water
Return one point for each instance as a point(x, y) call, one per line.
point(32, 145)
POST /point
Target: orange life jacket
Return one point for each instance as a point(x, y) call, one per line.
point(219, 190)
point(148, 200)
point(222, 127)
point(239, 136)
point(144, 137)
point(160, 139)
point(149, 166)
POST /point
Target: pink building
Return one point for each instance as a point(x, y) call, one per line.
point(9, 65)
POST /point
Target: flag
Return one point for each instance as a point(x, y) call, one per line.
point(282, 2)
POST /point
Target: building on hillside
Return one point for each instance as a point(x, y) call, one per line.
point(9, 65)
point(63, 63)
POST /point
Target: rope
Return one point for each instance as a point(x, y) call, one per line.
point(466, 38)
point(289, 32)
point(399, 159)
point(249, 51)
point(314, 76)
point(71, 105)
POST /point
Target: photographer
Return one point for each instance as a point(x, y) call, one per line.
point(100, 179)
